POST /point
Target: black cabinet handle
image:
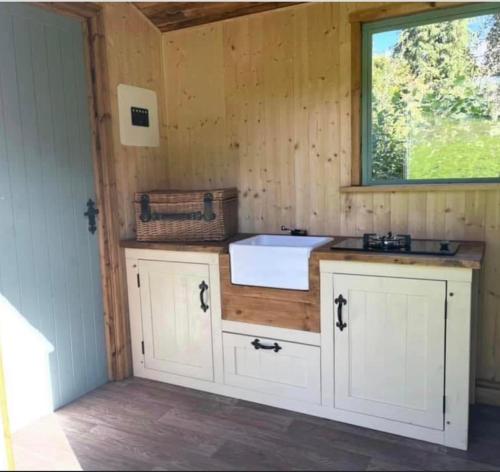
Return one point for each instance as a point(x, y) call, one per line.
point(257, 345)
point(340, 300)
point(203, 288)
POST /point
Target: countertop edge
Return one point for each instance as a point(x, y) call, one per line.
point(472, 259)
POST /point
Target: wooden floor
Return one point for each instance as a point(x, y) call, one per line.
point(143, 425)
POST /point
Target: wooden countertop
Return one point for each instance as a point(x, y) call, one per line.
point(469, 255)
point(218, 247)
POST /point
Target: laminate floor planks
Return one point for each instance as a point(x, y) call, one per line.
point(143, 425)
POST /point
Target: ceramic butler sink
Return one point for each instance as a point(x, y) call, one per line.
point(273, 260)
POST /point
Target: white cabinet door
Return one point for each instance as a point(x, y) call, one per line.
point(389, 358)
point(177, 330)
point(290, 370)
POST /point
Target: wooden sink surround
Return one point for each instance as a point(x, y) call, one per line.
point(298, 309)
point(281, 308)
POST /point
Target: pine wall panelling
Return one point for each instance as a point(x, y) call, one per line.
point(131, 50)
point(263, 102)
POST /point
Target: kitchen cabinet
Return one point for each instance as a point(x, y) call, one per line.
point(389, 347)
point(396, 347)
point(174, 301)
point(393, 353)
point(176, 318)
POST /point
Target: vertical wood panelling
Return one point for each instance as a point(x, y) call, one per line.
point(397, 369)
point(133, 52)
point(8, 120)
point(49, 261)
point(177, 333)
point(279, 85)
point(47, 155)
point(126, 48)
point(489, 326)
point(94, 339)
point(237, 58)
point(62, 320)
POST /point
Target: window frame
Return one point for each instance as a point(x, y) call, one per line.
point(367, 31)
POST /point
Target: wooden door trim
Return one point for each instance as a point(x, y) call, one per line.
point(83, 10)
point(117, 330)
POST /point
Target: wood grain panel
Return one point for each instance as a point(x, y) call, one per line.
point(282, 96)
point(388, 10)
point(124, 48)
point(168, 16)
point(292, 309)
point(133, 58)
point(75, 9)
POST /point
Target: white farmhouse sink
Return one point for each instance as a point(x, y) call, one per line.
point(273, 260)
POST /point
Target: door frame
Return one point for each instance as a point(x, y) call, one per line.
point(115, 305)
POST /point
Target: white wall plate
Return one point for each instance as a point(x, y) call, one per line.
point(138, 112)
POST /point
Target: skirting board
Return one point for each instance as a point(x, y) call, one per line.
point(488, 396)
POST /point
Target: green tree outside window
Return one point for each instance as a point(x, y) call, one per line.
point(433, 112)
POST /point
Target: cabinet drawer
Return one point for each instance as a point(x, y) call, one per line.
point(290, 371)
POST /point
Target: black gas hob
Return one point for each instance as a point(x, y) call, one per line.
point(398, 243)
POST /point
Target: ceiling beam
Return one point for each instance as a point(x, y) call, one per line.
point(169, 16)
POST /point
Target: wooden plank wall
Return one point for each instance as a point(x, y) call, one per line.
point(263, 103)
point(130, 47)
point(133, 51)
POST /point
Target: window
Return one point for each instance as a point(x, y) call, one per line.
point(431, 97)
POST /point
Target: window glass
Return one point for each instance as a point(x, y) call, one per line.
point(431, 100)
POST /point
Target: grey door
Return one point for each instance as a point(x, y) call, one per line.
point(49, 261)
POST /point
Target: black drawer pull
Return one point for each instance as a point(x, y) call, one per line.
point(257, 345)
point(340, 301)
point(203, 288)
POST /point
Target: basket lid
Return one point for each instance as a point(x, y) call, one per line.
point(184, 196)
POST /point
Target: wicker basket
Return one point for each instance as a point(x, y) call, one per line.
point(177, 215)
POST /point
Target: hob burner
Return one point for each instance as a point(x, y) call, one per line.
point(387, 242)
point(397, 243)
